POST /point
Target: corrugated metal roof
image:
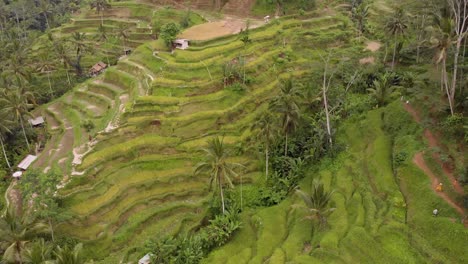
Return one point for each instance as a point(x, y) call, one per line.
point(36, 121)
point(26, 162)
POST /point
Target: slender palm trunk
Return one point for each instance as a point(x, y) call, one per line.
point(242, 198)
point(394, 53)
point(50, 84)
point(266, 162)
point(454, 75)
point(327, 115)
point(47, 20)
point(18, 252)
point(447, 89)
point(68, 77)
point(24, 133)
point(4, 152)
point(286, 145)
point(222, 195)
point(51, 230)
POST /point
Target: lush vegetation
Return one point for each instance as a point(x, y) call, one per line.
point(317, 137)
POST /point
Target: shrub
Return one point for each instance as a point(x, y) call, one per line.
point(192, 248)
point(88, 125)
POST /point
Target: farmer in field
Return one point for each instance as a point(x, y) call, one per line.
point(435, 212)
point(439, 187)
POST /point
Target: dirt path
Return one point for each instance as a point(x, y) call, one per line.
point(419, 161)
point(434, 143)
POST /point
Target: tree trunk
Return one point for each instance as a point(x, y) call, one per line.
point(68, 77)
point(327, 115)
point(447, 89)
point(24, 133)
point(266, 161)
point(242, 198)
point(394, 53)
point(222, 195)
point(4, 153)
point(50, 85)
point(454, 75)
point(47, 20)
point(18, 252)
point(51, 230)
point(286, 146)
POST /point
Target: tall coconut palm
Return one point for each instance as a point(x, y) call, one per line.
point(81, 46)
point(46, 65)
point(317, 202)
point(266, 132)
point(16, 232)
point(15, 102)
point(5, 125)
point(442, 41)
point(68, 255)
point(218, 167)
point(124, 34)
point(396, 26)
point(285, 104)
point(100, 6)
point(382, 89)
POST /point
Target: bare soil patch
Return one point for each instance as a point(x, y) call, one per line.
point(373, 46)
point(227, 25)
point(367, 60)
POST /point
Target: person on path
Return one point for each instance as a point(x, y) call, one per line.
point(439, 187)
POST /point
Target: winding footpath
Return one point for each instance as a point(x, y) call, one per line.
point(418, 159)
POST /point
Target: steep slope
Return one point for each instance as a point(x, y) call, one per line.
point(375, 221)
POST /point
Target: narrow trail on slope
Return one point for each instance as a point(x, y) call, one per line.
point(418, 159)
point(434, 143)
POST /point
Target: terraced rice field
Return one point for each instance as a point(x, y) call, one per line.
point(131, 177)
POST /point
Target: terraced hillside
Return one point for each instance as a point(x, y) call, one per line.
point(155, 110)
point(125, 25)
point(380, 216)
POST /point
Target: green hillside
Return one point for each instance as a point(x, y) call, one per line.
point(355, 103)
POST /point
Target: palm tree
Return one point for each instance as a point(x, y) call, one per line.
point(360, 14)
point(218, 167)
point(442, 40)
point(100, 6)
point(17, 232)
point(102, 33)
point(46, 7)
point(5, 125)
point(285, 104)
point(39, 253)
point(266, 131)
point(396, 26)
point(317, 203)
point(382, 90)
point(123, 33)
point(15, 102)
point(68, 255)
point(46, 65)
point(79, 41)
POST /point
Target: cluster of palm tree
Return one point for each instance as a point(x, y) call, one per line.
point(446, 35)
point(16, 102)
point(23, 240)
